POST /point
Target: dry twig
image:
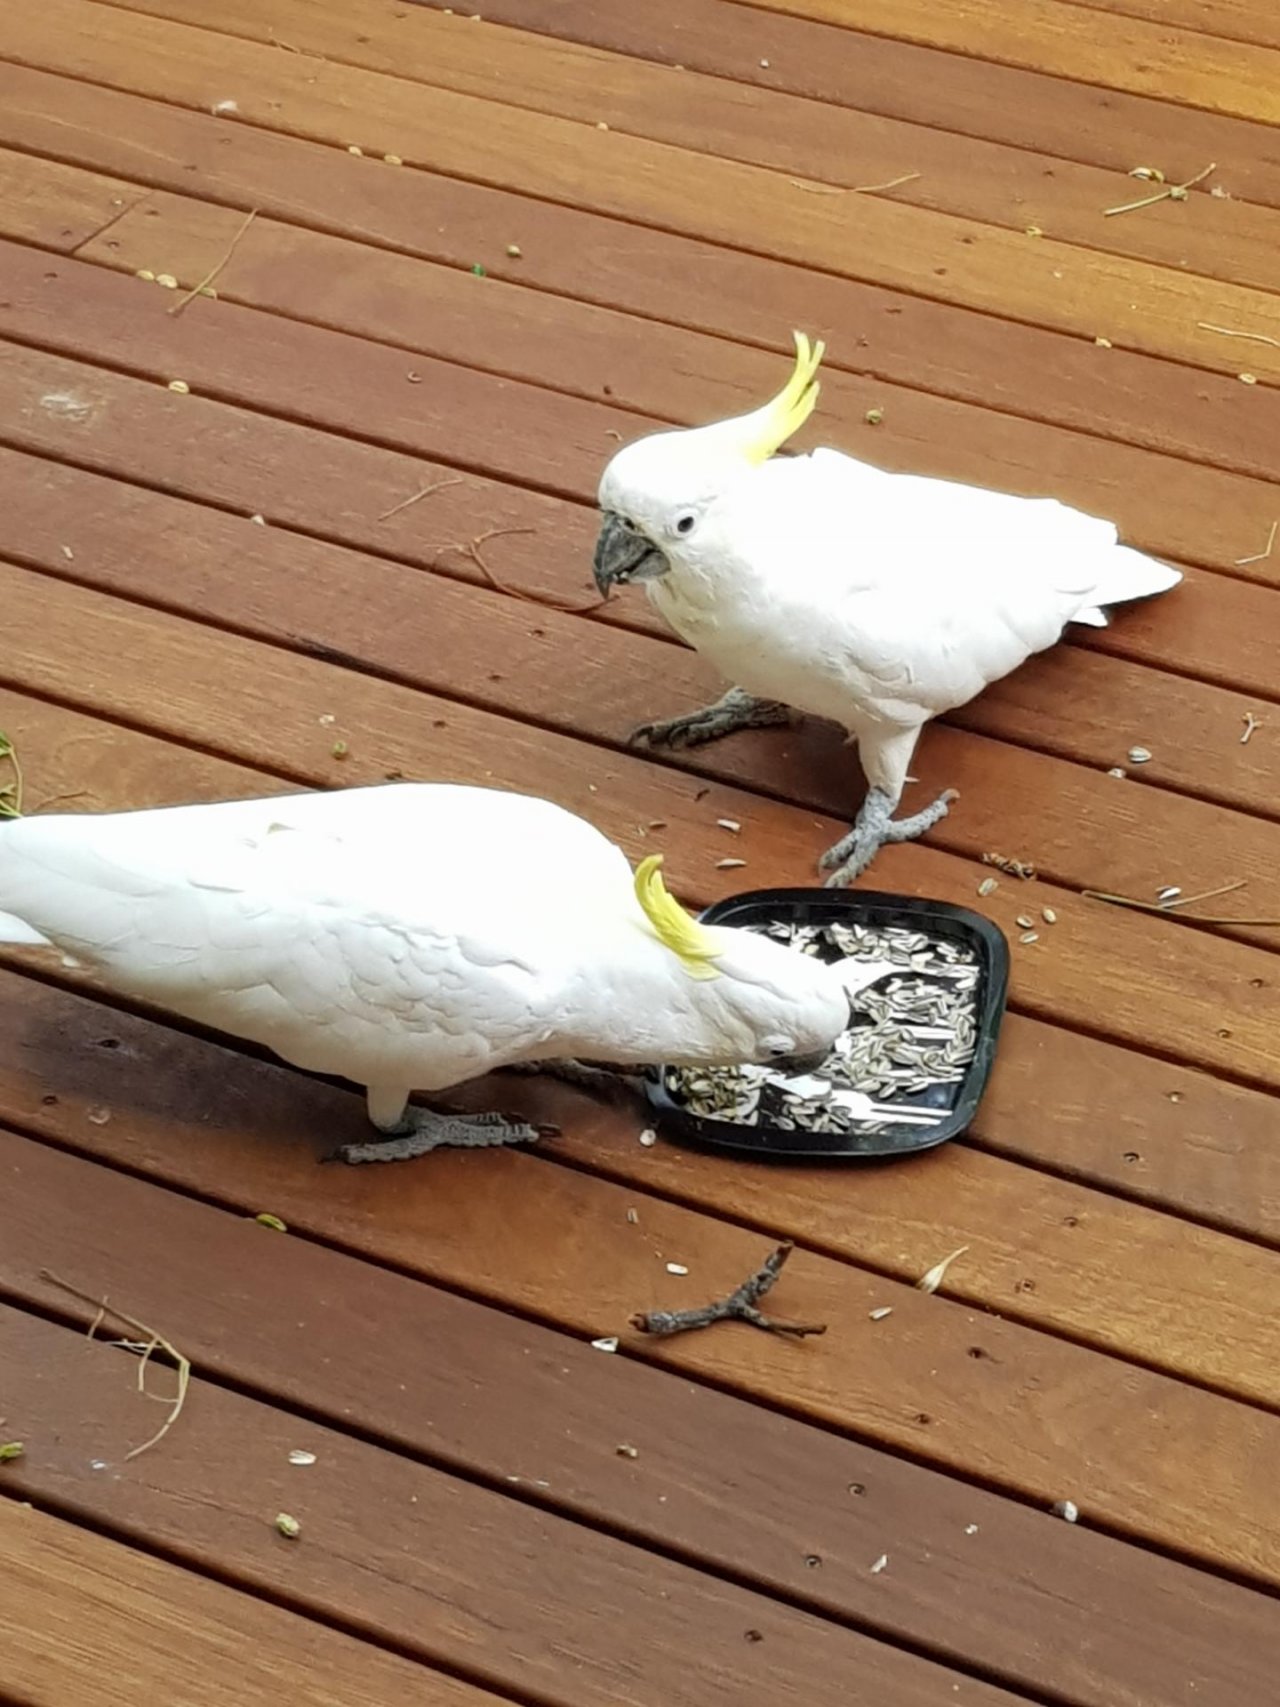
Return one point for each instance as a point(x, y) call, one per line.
point(407, 503)
point(1226, 332)
point(153, 1342)
point(1177, 907)
point(739, 1306)
point(208, 279)
point(871, 189)
point(1261, 556)
point(1171, 192)
point(472, 550)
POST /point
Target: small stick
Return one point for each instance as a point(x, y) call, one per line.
point(406, 503)
point(1226, 331)
point(1261, 556)
point(1250, 724)
point(739, 1306)
point(472, 550)
point(871, 189)
point(1167, 907)
point(155, 1341)
point(208, 279)
point(1171, 192)
point(1207, 894)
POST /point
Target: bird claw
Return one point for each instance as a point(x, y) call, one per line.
point(853, 853)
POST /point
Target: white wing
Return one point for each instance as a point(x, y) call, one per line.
point(413, 934)
point(918, 592)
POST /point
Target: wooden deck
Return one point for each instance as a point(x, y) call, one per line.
point(482, 253)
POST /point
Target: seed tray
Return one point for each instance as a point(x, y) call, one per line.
point(907, 1076)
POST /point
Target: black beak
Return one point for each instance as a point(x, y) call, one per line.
point(623, 554)
point(803, 1063)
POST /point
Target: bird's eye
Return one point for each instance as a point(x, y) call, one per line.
point(685, 523)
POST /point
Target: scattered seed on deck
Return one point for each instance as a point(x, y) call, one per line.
point(180, 386)
point(971, 1529)
point(68, 554)
point(352, 149)
point(1169, 893)
point(1247, 378)
point(299, 1456)
point(1116, 771)
point(1025, 921)
point(1029, 937)
point(609, 1343)
point(258, 521)
point(288, 1526)
point(392, 160)
point(1139, 755)
point(648, 1137)
point(729, 864)
point(880, 1314)
point(147, 274)
point(1033, 231)
point(220, 109)
point(731, 824)
point(1068, 1510)
point(1049, 916)
point(988, 886)
point(167, 280)
point(515, 251)
point(339, 749)
point(99, 1116)
point(273, 1221)
point(880, 1564)
point(633, 1218)
point(1104, 343)
point(676, 1268)
point(873, 417)
point(625, 1450)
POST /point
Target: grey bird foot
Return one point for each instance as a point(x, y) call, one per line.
point(851, 856)
point(421, 1131)
point(736, 710)
point(585, 1075)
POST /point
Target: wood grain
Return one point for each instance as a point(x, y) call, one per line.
point(958, 1554)
point(1108, 49)
point(709, 115)
point(92, 1623)
point(1036, 281)
point(1142, 1454)
point(876, 74)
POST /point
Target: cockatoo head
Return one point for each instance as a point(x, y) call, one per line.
point(745, 998)
point(656, 493)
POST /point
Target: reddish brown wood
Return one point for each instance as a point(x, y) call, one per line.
point(975, 1575)
point(876, 74)
point(709, 115)
point(744, 207)
point(1111, 50)
point(91, 1623)
point(1140, 1453)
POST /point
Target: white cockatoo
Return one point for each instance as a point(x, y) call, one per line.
point(410, 937)
point(820, 584)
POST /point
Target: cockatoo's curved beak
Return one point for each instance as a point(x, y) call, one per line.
point(623, 554)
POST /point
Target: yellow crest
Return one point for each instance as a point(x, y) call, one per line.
point(692, 943)
point(768, 429)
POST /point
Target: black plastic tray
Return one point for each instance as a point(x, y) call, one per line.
point(854, 907)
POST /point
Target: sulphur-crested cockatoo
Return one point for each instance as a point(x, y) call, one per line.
point(820, 584)
point(411, 937)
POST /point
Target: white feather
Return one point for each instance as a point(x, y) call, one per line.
point(410, 936)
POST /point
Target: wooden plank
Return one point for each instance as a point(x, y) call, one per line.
point(1168, 1136)
point(1151, 1624)
point(1021, 370)
point(91, 1623)
point(1142, 1454)
point(666, 371)
point(708, 115)
point(527, 435)
point(876, 74)
point(1112, 51)
point(1237, 20)
point(1041, 282)
point(1080, 826)
point(1104, 970)
point(61, 208)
